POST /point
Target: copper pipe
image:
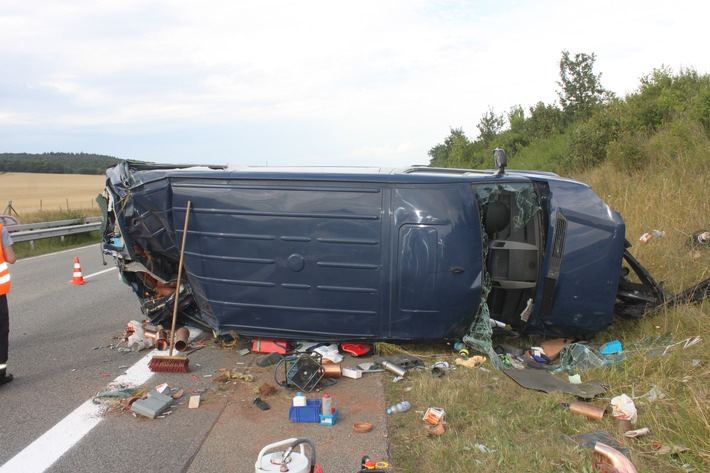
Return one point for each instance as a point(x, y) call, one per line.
point(161, 342)
point(182, 335)
point(152, 334)
point(332, 370)
point(590, 411)
point(615, 458)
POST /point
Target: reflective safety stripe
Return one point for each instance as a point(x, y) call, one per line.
point(4, 273)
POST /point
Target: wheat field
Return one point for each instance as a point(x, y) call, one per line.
point(35, 192)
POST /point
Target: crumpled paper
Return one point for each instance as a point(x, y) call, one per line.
point(623, 408)
point(330, 352)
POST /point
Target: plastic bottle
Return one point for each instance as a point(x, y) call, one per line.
point(399, 407)
point(299, 400)
point(327, 405)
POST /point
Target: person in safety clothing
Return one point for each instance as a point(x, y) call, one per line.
point(7, 255)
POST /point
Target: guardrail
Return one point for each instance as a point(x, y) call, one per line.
point(60, 228)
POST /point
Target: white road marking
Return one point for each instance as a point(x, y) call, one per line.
point(100, 272)
point(47, 449)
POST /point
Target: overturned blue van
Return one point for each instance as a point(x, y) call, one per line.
point(370, 254)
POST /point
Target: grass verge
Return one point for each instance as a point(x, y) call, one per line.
point(25, 249)
point(493, 424)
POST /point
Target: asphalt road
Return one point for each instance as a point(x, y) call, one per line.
point(63, 352)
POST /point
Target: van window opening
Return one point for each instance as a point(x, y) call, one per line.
point(511, 242)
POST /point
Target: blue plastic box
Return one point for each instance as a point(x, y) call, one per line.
point(308, 413)
point(329, 420)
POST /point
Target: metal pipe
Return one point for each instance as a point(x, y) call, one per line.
point(590, 411)
point(332, 370)
point(615, 458)
point(392, 368)
point(161, 342)
point(182, 335)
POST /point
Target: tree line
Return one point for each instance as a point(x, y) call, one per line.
point(589, 125)
point(57, 163)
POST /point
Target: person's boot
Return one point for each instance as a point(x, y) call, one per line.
point(4, 376)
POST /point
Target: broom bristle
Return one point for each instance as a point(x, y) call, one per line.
point(169, 364)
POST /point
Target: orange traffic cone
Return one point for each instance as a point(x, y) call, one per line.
point(78, 278)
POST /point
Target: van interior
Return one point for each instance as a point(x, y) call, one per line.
point(511, 221)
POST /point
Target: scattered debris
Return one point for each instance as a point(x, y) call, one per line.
point(439, 368)
point(265, 345)
point(194, 402)
point(152, 405)
point(552, 348)
point(614, 458)
point(352, 373)
point(473, 362)
point(267, 389)
point(699, 238)
point(370, 367)
point(589, 411)
point(362, 427)
point(648, 235)
point(434, 415)
point(330, 352)
point(232, 374)
point(668, 449)
point(258, 402)
point(610, 348)
point(654, 394)
point(545, 381)
point(623, 408)
point(637, 432)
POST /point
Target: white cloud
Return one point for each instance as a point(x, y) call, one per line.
point(387, 79)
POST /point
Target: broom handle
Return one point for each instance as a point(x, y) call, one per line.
point(177, 289)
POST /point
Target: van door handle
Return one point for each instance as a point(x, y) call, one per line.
point(456, 270)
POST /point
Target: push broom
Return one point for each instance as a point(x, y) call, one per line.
point(170, 363)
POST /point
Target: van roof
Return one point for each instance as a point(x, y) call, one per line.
point(332, 173)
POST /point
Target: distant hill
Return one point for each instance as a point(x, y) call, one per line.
point(56, 163)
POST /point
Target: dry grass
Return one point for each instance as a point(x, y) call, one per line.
point(32, 192)
point(495, 425)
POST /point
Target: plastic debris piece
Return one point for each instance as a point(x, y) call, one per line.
point(575, 379)
point(434, 415)
point(330, 352)
point(623, 408)
point(611, 347)
point(473, 362)
point(370, 367)
point(637, 432)
point(580, 357)
point(194, 402)
point(362, 427)
point(654, 394)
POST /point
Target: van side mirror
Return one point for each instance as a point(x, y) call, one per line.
point(500, 160)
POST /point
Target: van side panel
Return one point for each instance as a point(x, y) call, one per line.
point(437, 261)
point(287, 257)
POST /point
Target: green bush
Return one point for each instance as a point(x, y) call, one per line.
point(628, 153)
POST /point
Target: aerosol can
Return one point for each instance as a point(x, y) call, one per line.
point(288, 460)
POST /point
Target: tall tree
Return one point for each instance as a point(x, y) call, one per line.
point(490, 125)
point(581, 88)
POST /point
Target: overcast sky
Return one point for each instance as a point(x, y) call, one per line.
point(308, 82)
